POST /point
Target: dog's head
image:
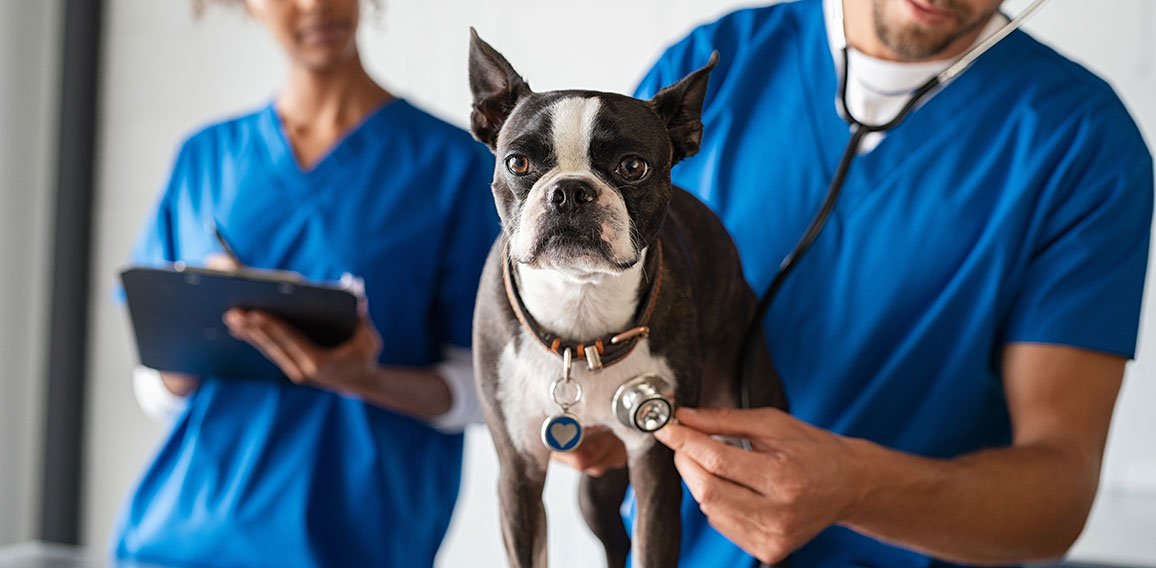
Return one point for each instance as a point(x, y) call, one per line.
point(582, 180)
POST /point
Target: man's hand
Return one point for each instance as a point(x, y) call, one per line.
point(797, 481)
point(1022, 503)
point(599, 452)
point(344, 368)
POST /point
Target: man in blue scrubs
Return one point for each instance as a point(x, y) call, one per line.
point(953, 343)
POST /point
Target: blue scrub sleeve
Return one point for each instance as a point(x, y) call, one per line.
point(669, 65)
point(677, 62)
point(1084, 282)
point(156, 242)
point(692, 52)
point(471, 229)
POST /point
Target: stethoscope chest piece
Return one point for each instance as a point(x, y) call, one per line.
point(644, 403)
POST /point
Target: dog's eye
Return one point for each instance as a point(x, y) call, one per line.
point(519, 165)
point(633, 168)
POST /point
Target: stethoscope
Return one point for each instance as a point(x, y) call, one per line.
point(646, 403)
point(859, 129)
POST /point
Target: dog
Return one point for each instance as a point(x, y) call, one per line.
point(604, 272)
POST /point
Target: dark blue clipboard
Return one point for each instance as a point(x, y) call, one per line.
point(176, 317)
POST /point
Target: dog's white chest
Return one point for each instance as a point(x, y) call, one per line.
point(526, 375)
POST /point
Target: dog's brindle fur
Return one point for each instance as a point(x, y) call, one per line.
point(566, 258)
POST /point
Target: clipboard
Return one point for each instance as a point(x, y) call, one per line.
point(176, 317)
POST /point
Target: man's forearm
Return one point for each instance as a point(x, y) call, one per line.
point(994, 506)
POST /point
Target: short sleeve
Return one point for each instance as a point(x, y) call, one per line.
point(1085, 278)
point(471, 229)
point(676, 62)
point(655, 79)
point(731, 36)
point(155, 243)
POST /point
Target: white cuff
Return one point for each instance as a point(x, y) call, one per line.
point(154, 398)
point(457, 370)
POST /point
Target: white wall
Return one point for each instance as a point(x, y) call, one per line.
point(165, 74)
point(28, 76)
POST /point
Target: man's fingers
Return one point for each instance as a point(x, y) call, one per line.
point(731, 509)
point(589, 464)
point(599, 452)
point(740, 529)
point(715, 457)
point(714, 494)
point(739, 423)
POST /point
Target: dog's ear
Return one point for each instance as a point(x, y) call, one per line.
point(680, 106)
point(496, 88)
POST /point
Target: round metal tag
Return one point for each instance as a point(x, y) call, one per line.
point(562, 432)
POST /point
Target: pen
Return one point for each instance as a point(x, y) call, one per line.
point(244, 270)
point(225, 246)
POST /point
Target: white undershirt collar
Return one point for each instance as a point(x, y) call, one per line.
point(877, 88)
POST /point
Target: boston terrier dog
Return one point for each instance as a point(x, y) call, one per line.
point(610, 298)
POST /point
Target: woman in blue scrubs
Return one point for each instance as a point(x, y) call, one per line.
point(953, 342)
point(355, 461)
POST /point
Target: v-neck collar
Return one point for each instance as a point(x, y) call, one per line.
point(932, 120)
point(342, 153)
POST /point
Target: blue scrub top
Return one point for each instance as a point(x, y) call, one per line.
point(1014, 206)
point(261, 473)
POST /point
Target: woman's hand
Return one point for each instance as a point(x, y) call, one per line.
point(348, 367)
point(797, 481)
point(218, 261)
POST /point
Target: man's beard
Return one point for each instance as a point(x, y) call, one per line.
point(913, 42)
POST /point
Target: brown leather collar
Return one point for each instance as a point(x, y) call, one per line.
point(601, 351)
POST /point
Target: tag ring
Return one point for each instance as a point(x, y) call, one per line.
point(554, 392)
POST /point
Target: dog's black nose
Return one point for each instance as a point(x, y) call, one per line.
point(569, 194)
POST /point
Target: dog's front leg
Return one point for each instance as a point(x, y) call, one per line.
point(658, 492)
point(601, 499)
point(523, 515)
